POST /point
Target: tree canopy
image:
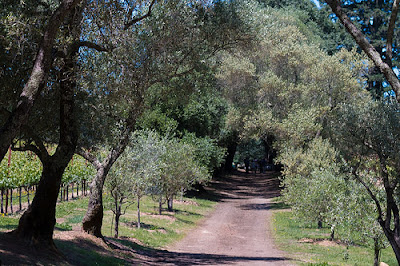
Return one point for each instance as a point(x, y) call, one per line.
point(197, 81)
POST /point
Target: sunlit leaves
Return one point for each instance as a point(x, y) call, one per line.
point(24, 170)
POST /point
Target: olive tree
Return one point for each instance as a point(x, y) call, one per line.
point(119, 186)
point(181, 170)
point(367, 134)
point(144, 155)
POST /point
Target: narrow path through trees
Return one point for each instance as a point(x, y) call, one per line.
point(238, 231)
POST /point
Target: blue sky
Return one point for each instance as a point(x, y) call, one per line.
point(316, 2)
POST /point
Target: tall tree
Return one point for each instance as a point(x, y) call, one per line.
point(38, 221)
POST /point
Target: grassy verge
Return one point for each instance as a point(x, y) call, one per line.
point(308, 245)
point(157, 231)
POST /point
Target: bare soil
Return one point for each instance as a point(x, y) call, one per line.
point(238, 232)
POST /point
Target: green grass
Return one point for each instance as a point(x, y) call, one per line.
point(157, 230)
point(86, 256)
point(304, 244)
point(71, 208)
point(8, 223)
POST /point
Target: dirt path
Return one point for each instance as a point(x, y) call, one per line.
point(238, 232)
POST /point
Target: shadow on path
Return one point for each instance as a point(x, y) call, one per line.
point(239, 185)
point(164, 257)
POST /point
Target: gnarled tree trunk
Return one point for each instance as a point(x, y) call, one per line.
point(93, 219)
point(37, 79)
point(37, 223)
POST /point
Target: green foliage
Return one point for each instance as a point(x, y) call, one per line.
point(207, 153)
point(78, 170)
point(160, 166)
point(377, 15)
point(181, 169)
point(21, 25)
point(119, 185)
point(251, 149)
point(156, 120)
point(143, 163)
point(24, 170)
point(317, 189)
point(302, 242)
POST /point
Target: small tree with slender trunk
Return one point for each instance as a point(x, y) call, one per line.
point(145, 163)
point(119, 187)
point(181, 170)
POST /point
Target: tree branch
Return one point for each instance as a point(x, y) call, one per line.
point(391, 205)
point(372, 195)
point(89, 156)
point(390, 32)
point(133, 21)
point(364, 44)
point(75, 46)
point(27, 147)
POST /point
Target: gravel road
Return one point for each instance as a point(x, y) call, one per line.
point(238, 232)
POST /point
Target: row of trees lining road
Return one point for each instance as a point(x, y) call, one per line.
point(386, 155)
point(307, 100)
point(162, 57)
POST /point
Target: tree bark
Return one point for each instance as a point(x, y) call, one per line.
point(229, 157)
point(117, 216)
point(160, 205)
point(93, 219)
point(170, 202)
point(7, 200)
point(332, 232)
point(27, 196)
point(393, 240)
point(20, 200)
point(376, 252)
point(11, 200)
point(2, 199)
point(392, 234)
point(37, 223)
point(319, 224)
point(138, 212)
point(37, 79)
